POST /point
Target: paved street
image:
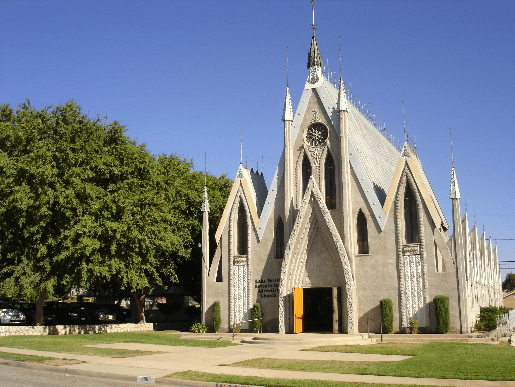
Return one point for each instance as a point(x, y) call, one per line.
point(175, 359)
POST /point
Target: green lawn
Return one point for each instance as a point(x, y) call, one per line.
point(430, 360)
point(257, 381)
point(76, 343)
point(20, 357)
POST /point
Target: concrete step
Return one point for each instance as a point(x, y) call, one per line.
point(423, 338)
point(216, 336)
point(309, 339)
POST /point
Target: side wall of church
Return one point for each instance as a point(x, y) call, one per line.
point(267, 269)
point(376, 273)
point(219, 291)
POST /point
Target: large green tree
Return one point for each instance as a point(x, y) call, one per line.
point(83, 205)
point(509, 282)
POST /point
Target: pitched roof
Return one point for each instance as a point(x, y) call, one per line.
point(373, 158)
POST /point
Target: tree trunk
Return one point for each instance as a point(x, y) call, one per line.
point(39, 307)
point(140, 303)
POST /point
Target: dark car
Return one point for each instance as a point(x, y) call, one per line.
point(30, 312)
point(68, 313)
point(10, 315)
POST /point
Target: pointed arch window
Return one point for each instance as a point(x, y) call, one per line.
point(241, 248)
point(330, 182)
point(306, 173)
point(410, 217)
point(362, 233)
point(279, 239)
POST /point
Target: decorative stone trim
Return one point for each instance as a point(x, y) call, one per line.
point(411, 265)
point(296, 254)
point(240, 276)
point(27, 330)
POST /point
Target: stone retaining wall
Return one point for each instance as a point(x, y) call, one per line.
point(24, 330)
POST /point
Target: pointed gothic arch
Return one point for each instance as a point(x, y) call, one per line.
point(240, 274)
point(362, 233)
point(241, 231)
point(313, 218)
point(330, 182)
point(411, 229)
point(412, 260)
point(306, 172)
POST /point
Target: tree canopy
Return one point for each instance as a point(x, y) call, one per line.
point(83, 205)
point(509, 282)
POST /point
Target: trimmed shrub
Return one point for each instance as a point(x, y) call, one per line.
point(414, 326)
point(217, 319)
point(488, 317)
point(386, 305)
point(256, 317)
point(442, 313)
point(199, 328)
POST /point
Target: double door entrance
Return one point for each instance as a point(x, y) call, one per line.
point(316, 310)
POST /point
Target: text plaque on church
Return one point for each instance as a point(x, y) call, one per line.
point(413, 249)
point(240, 260)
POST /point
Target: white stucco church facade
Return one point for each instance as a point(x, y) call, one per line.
point(348, 220)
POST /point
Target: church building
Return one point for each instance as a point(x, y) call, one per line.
point(349, 219)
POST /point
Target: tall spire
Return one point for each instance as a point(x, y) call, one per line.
point(342, 98)
point(287, 67)
point(455, 190)
point(287, 110)
point(404, 119)
point(452, 153)
point(314, 56)
point(205, 200)
point(340, 49)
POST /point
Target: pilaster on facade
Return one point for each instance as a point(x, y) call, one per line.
point(288, 162)
point(205, 251)
point(348, 223)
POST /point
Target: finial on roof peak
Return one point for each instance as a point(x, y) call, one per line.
point(342, 98)
point(340, 49)
point(286, 66)
point(313, 25)
point(314, 56)
point(287, 109)
point(452, 153)
point(205, 201)
point(404, 119)
point(455, 190)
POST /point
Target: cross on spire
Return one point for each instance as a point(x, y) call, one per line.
point(313, 25)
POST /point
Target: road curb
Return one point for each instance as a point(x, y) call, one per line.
point(103, 375)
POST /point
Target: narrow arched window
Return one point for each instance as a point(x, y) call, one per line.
point(410, 217)
point(330, 182)
point(362, 233)
point(279, 239)
point(242, 231)
point(306, 173)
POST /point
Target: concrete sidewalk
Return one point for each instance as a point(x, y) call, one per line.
point(176, 359)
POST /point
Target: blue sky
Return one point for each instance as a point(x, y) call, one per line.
point(186, 77)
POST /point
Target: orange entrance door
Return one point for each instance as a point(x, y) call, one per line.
point(298, 310)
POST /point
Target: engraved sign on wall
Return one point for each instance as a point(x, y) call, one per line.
point(267, 288)
point(413, 249)
point(240, 260)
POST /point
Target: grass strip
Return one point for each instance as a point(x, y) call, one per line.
point(75, 344)
point(21, 357)
point(430, 360)
point(271, 382)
